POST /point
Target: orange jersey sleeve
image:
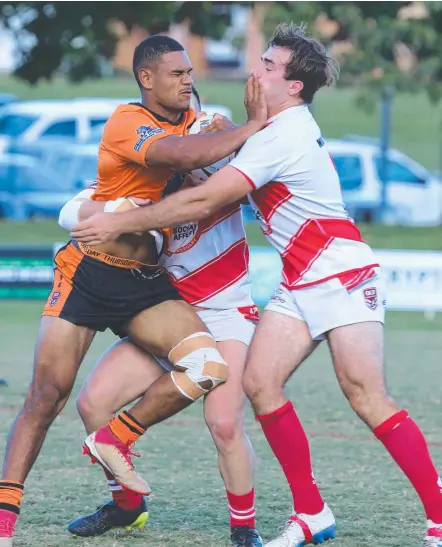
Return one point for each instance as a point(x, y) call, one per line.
point(127, 135)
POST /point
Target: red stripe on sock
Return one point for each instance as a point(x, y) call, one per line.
point(126, 499)
point(242, 506)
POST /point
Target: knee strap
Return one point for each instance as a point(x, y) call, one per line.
point(198, 365)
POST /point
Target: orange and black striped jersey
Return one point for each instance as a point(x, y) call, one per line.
point(127, 135)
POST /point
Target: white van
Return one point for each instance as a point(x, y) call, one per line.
point(72, 119)
point(414, 195)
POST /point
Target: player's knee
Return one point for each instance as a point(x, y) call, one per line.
point(364, 398)
point(199, 367)
point(225, 429)
point(255, 386)
point(85, 406)
point(45, 400)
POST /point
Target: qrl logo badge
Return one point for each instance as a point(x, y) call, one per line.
point(54, 298)
point(371, 297)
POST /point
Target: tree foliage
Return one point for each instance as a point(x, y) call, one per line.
point(79, 36)
point(377, 34)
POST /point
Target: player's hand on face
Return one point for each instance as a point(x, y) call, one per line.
point(218, 123)
point(254, 101)
point(98, 229)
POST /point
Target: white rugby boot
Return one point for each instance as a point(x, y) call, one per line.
point(302, 529)
point(434, 535)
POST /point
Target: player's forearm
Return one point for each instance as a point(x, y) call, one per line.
point(184, 206)
point(196, 151)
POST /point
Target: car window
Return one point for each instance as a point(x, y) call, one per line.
point(349, 168)
point(66, 128)
point(397, 172)
point(93, 122)
point(14, 125)
point(95, 134)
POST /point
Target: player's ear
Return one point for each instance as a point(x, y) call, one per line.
point(145, 76)
point(295, 87)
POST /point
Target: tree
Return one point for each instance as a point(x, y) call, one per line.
point(79, 36)
point(386, 49)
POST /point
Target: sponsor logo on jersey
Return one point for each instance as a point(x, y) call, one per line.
point(146, 132)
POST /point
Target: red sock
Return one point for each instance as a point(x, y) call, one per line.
point(407, 445)
point(287, 439)
point(7, 523)
point(242, 509)
point(128, 500)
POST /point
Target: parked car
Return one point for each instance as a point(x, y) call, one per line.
point(6, 98)
point(27, 190)
point(75, 162)
point(70, 119)
point(413, 194)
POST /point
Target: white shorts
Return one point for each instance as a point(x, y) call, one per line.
point(329, 305)
point(223, 325)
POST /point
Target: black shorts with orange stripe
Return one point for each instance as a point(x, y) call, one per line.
point(99, 291)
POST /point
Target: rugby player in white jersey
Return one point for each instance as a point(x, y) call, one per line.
point(207, 262)
point(331, 285)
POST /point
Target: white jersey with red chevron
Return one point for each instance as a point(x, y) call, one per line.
point(208, 261)
point(297, 199)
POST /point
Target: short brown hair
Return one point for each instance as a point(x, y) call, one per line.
point(309, 62)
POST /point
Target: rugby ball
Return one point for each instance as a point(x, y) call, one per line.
point(202, 174)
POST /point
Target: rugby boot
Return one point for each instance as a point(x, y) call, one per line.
point(305, 529)
point(244, 536)
point(109, 517)
point(434, 535)
point(111, 453)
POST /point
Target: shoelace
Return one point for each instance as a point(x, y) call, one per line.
point(126, 453)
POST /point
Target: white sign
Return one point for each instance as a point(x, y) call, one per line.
point(413, 278)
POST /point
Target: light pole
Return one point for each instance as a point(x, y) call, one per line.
point(387, 95)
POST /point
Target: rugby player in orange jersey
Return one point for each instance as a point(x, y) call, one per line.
point(208, 264)
point(119, 285)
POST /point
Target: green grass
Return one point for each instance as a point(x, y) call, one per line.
point(378, 236)
point(416, 124)
point(374, 504)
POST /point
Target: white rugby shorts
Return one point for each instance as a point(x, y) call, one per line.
point(224, 325)
point(331, 304)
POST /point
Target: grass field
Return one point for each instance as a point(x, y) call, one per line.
point(373, 503)
point(416, 124)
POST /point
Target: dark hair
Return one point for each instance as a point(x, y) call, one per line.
point(197, 95)
point(309, 62)
point(152, 49)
